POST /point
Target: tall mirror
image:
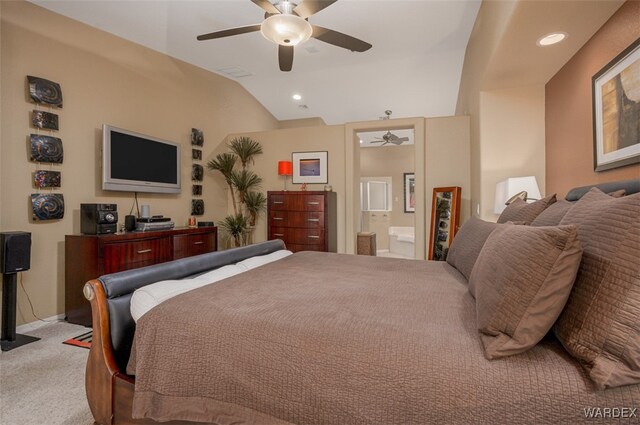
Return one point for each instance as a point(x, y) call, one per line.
point(445, 220)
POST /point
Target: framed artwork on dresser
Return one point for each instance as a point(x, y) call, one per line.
point(616, 111)
point(310, 167)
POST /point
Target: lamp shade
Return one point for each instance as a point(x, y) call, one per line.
point(509, 187)
point(286, 30)
point(285, 168)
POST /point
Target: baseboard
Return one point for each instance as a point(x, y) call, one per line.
point(28, 327)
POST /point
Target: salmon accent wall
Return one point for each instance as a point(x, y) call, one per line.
point(568, 109)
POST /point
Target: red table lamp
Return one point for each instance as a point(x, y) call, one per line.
point(285, 168)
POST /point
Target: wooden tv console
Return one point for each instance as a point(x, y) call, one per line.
point(90, 256)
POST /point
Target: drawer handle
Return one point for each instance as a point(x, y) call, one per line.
point(313, 237)
point(278, 202)
point(144, 251)
point(313, 203)
point(278, 234)
point(278, 218)
point(313, 219)
point(198, 243)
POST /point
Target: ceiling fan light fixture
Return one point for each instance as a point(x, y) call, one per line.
point(286, 30)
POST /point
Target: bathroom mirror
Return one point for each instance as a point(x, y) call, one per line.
point(445, 220)
point(375, 194)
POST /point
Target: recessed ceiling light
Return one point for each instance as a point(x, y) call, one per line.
point(361, 141)
point(296, 96)
point(553, 38)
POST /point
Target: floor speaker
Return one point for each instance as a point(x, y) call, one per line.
point(15, 252)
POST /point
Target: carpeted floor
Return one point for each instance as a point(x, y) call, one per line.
point(43, 382)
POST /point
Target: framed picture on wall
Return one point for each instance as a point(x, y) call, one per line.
point(310, 167)
point(616, 111)
point(409, 192)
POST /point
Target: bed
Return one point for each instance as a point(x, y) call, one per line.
point(325, 338)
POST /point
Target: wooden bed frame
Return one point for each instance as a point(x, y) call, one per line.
point(110, 390)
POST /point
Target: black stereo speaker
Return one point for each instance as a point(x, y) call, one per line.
point(15, 252)
point(98, 219)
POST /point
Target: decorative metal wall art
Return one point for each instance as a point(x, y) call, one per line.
point(196, 190)
point(197, 172)
point(44, 179)
point(45, 91)
point(47, 206)
point(46, 120)
point(197, 207)
point(197, 137)
point(46, 149)
point(196, 154)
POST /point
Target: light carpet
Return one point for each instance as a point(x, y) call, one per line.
point(42, 383)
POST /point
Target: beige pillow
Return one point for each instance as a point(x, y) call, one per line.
point(467, 244)
point(522, 279)
point(519, 210)
point(553, 214)
point(601, 323)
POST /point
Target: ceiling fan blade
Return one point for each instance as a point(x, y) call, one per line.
point(339, 39)
point(402, 139)
point(267, 6)
point(376, 141)
point(229, 32)
point(285, 57)
point(311, 7)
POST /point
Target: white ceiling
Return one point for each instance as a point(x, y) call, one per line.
point(413, 68)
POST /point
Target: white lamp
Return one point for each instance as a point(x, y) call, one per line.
point(512, 186)
point(286, 30)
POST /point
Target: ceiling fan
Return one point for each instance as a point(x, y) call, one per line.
point(389, 137)
point(286, 24)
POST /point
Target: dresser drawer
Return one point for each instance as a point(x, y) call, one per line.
point(286, 202)
point(298, 235)
point(120, 256)
point(195, 244)
point(312, 220)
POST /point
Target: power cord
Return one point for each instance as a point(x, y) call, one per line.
point(31, 304)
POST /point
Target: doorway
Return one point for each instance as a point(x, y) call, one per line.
point(354, 158)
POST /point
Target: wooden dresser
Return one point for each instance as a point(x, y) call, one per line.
point(90, 256)
point(304, 220)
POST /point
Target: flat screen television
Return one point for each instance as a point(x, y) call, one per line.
point(134, 162)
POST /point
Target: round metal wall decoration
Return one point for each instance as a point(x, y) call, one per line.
point(197, 207)
point(197, 137)
point(46, 149)
point(47, 206)
point(45, 91)
point(197, 172)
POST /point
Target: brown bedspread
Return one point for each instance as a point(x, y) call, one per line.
point(321, 338)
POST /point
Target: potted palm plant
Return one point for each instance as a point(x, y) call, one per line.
point(247, 202)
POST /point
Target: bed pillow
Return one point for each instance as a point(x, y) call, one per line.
point(601, 323)
point(520, 210)
point(553, 214)
point(522, 279)
point(467, 244)
point(147, 297)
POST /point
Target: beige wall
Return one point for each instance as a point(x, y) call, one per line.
point(391, 161)
point(569, 131)
point(448, 158)
point(278, 146)
point(512, 140)
point(104, 79)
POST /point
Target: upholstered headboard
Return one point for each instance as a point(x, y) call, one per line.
point(119, 287)
point(630, 186)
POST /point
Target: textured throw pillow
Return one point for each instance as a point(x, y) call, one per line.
point(467, 244)
point(519, 210)
point(600, 324)
point(553, 214)
point(522, 279)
